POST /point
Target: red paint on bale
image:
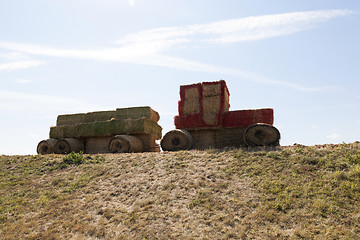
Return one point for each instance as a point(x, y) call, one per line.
point(241, 118)
point(190, 121)
point(245, 118)
point(183, 89)
point(196, 120)
point(224, 118)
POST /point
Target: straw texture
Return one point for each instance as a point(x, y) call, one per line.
point(176, 140)
point(46, 146)
point(107, 128)
point(69, 145)
point(262, 135)
point(118, 114)
point(125, 144)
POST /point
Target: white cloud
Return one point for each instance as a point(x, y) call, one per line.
point(22, 80)
point(158, 40)
point(148, 47)
point(14, 56)
point(236, 30)
point(334, 136)
point(131, 2)
point(20, 65)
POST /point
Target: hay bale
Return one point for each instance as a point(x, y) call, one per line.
point(149, 142)
point(244, 118)
point(209, 90)
point(226, 101)
point(262, 135)
point(95, 145)
point(69, 119)
point(125, 144)
point(211, 99)
point(211, 109)
point(190, 121)
point(190, 106)
point(203, 138)
point(230, 137)
point(69, 145)
point(46, 146)
point(191, 93)
point(119, 114)
point(176, 140)
point(136, 113)
point(107, 128)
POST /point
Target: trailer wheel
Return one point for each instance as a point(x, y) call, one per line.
point(69, 145)
point(125, 144)
point(176, 140)
point(261, 134)
point(46, 146)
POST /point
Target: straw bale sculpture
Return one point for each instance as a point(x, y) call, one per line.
point(204, 121)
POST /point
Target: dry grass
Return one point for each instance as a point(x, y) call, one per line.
point(282, 193)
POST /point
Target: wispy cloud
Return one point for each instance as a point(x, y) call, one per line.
point(20, 65)
point(334, 136)
point(152, 47)
point(13, 56)
point(22, 80)
point(234, 30)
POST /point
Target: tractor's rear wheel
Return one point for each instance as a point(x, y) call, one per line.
point(261, 134)
point(176, 140)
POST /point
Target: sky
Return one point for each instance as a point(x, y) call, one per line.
point(300, 58)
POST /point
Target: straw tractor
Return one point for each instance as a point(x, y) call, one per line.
point(204, 121)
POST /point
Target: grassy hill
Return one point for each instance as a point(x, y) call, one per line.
point(294, 192)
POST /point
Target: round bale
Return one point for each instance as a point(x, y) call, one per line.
point(46, 146)
point(262, 134)
point(69, 145)
point(125, 144)
point(176, 140)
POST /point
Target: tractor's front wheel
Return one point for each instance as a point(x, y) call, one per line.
point(176, 140)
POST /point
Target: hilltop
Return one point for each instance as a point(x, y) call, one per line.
point(294, 192)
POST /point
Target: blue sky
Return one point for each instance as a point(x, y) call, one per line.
point(300, 58)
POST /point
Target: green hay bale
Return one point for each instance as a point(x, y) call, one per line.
point(138, 112)
point(118, 114)
point(107, 128)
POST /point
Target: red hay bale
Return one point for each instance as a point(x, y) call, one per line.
point(243, 118)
